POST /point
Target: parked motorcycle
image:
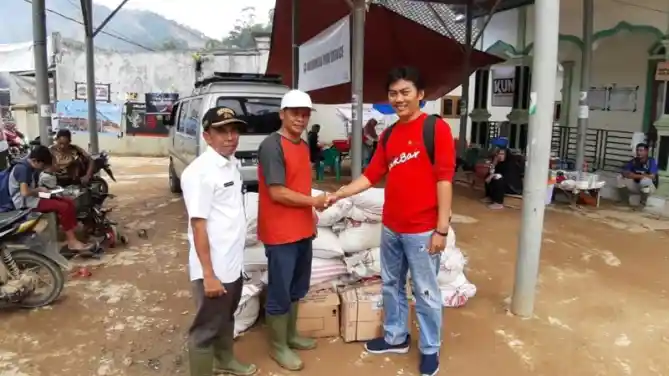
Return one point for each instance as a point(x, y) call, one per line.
point(24, 253)
point(101, 163)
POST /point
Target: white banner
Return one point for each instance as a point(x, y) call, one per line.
point(325, 60)
point(502, 86)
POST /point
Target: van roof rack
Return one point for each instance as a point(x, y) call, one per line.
point(237, 77)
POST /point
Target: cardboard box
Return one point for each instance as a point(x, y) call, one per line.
point(318, 315)
point(362, 313)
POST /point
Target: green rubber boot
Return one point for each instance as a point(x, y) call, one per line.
point(225, 362)
point(201, 361)
point(279, 350)
point(294, 340)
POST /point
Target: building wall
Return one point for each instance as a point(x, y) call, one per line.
point(624, 34)
point(168, 71)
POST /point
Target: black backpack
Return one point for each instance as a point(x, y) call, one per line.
point(428, 135)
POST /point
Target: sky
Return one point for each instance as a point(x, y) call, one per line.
point(214, 18)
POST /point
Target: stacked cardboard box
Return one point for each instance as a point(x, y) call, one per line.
point(359, 317)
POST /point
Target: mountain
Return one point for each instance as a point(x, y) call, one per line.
point(142, 27)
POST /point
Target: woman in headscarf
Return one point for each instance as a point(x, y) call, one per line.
point(71, 164)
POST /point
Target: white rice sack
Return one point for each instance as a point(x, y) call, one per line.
point(370, 200)
point(316, 192)
point(335, 213)
point(251, 212)
point(326, 245)
point(325, 270)
point(248, 310)
point(364, 264)
point(254, 258)
point(361, 215)
point(359, 236)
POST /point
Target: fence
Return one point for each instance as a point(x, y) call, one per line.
point(605, 149)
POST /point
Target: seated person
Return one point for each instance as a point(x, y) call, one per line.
point(24, 192)
point(639, 175)
point(71, 164)
point(504, 177)
point(315, 147)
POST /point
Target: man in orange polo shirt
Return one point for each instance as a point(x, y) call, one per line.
point(286, 226)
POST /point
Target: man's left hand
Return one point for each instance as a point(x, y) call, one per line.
point(437, 244)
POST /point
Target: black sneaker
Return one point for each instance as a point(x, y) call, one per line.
point(429, 364)
point(380, 346)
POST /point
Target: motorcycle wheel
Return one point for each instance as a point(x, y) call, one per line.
point(103, 186)
point(27, 259)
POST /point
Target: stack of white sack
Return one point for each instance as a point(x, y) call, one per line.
point(455, 288)
point(249, 306)
point(254, 254)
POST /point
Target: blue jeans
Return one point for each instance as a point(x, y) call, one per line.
point(399, 254)
point(288, 275)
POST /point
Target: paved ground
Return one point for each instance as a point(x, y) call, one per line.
point(601, 307)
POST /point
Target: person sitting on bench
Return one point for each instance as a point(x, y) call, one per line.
point(503, 178)
point(639, 176)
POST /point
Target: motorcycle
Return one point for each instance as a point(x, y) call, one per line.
point(23, 252)
point(101, 163)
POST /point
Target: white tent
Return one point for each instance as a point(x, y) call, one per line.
point(368, 113)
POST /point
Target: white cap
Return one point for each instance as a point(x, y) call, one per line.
point(296, 99)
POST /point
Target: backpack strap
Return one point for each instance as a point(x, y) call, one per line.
point(428, 136)
point(386, 135)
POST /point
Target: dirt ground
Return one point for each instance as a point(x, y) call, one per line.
point(601, 305)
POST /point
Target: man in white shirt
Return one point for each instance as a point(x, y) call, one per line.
point(212, 191)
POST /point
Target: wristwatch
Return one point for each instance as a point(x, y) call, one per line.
point(444, 234)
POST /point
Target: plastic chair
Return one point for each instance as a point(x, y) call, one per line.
point(332, 159)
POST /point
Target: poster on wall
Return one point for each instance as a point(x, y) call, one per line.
point(502, 86)
point(160, 103)
point(139, 123)
point(325, 60)
point(73, 115)
point(102, 92)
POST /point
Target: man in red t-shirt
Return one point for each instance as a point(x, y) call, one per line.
point(286, 226)
point(416, 217)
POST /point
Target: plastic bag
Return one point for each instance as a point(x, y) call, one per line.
point(326, 245)
point(359, 236)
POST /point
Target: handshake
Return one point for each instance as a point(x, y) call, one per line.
point(325, 200)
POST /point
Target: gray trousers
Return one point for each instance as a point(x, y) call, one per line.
point(214, 318)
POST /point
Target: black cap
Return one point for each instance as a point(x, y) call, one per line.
point(220, 116)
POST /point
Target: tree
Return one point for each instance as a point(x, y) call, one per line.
point(241, 35)
point(171, 45)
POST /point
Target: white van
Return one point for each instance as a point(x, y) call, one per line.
point(256, 99)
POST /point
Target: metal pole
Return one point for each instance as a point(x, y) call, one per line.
point(41, 70)
point(586, 62)
point(90, 81)
point(464, 101)
point(547, 21)
point(357, 66)
point(294, 37)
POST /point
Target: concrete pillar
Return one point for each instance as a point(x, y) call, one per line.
point(480, 115)
point(518, 117)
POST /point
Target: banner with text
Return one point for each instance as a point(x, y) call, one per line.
point(325, 60)
point(160, 103)
point(502, 86)
point(139, 123)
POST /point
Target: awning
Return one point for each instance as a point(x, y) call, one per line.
point(390, 40)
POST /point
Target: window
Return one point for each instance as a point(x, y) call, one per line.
point(450, 107)
point(193, 119)
point(261, 114)
point(181, 121)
